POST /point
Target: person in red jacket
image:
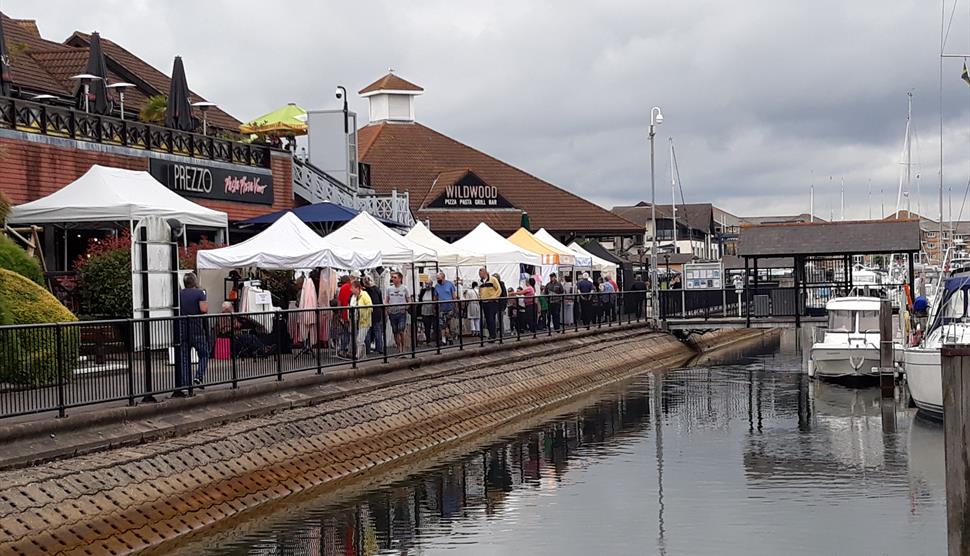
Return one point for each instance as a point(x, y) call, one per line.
point(344, 294)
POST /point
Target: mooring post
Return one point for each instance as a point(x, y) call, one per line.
point(956, 438)
point(887, 374)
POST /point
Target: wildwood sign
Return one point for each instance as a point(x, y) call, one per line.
point(470, 192)
point(210, 182)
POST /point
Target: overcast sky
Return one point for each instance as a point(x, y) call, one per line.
point(762, 98)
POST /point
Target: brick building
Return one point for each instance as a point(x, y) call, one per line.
point(454, 186)
point(46, 141)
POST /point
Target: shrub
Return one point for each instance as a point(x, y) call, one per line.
point(4, 204)
point(187, 254)
point(104, 277)
point(28, 356)
point(14, 258)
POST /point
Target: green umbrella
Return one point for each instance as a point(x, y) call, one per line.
point(525, 220)
point(288, 120)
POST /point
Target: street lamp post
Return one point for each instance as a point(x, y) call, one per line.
point(121, 86)
point(656, 118)
point(342, 94)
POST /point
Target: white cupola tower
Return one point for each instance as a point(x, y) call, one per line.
point(391, 99)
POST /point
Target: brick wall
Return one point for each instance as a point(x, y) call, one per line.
point(29, 171)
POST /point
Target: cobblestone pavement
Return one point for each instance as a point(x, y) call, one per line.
point(129, 499)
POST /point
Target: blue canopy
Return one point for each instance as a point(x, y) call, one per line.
point(319, 213)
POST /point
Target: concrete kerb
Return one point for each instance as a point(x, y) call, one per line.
point(145, 411)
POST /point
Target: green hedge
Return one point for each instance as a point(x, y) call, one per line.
point(29, 356)
point(104, 282)
point(13, 257)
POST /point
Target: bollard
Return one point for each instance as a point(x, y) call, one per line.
point(956, 411)
point(887, 374)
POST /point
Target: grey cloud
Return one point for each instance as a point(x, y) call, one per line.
point(762, 98)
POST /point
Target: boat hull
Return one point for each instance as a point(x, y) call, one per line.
point(843, 362)
point(924, 375)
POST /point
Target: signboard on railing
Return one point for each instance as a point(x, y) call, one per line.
point(214, 182)
point(703, 276)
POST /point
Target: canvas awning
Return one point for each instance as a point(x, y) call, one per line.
point(448, 254)
point(365, 232)
point(582, 260)
point(288, 120)
point(599, 264)
point(106, 194)
point(550, 255)
point(317, 213)
point(287, 244)
point(501, 255)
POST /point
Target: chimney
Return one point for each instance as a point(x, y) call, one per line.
point(391, 99)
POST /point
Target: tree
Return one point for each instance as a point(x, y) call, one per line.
point(153, 111)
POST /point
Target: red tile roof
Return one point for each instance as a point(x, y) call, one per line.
point(157, 80)
point(38, 65)
point(390, 82)
point(409, 156)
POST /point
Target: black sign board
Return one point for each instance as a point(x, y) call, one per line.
point(213, 182)
point(470, 192)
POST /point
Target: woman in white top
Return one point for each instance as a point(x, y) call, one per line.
point(568, 288)
point(473, 309)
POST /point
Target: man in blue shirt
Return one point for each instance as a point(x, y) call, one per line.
point(192, 334)
point(444, 290)
point(585, 288)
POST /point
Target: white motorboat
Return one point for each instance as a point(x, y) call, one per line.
point(850, 345)
point(951, 325)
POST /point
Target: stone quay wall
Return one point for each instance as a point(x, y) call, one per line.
point(129, 499)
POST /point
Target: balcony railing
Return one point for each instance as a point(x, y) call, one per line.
point(59, 121)
point(317, 186)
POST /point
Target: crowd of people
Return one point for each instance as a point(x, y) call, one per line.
point(363, 314)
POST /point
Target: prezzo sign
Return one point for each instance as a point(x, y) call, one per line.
point(469, 192)
point(207, 182)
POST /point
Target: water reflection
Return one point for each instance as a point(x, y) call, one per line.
point(746, 457)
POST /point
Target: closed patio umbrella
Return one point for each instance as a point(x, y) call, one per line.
point(98, 102)
point(178, 113)
point(4, 65)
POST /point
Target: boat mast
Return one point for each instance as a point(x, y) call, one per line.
point(942, 49)
point(869, 198)
point(673, 197)
point(842, 191)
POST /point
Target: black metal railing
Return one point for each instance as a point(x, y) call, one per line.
point(60, 121)
point(56, 367)
point(756, 301)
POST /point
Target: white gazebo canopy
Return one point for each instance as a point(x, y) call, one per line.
point(364, 232)
point(106, 194)
point(448, 254)
point(287, 244)
point(582, 260)
point(599, 264)
point(501, 255)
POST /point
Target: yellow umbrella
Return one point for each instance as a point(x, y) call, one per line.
point(288, 120)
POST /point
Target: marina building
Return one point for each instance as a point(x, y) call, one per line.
point(453, 186)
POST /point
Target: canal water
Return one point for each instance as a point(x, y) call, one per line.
point(737, 455)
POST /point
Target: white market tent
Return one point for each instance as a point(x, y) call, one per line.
point(583, 260)
point(599, 264)
point(501, 255)
point(287, 244)
point(105, 194)
point(449, 255)
point(364, 232)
